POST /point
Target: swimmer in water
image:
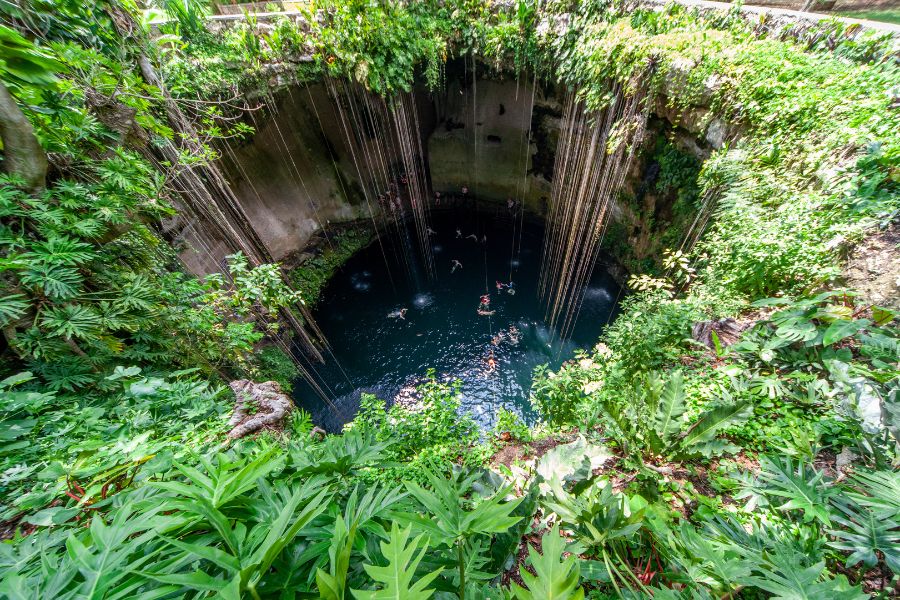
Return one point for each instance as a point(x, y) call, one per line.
point(500, 286)
point(430, 231)
point(491, 363)
point(510, 288)
point(473, 236)
point(484, 239)
point(454, 265)
point(485, 313)
point(465, 190)
point(513, 335)
point(458, 233)
point(398, 314)
point(485, 301)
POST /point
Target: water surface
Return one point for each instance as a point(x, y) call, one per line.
point(386, 356)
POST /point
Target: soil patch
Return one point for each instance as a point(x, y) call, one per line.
point(873, 268)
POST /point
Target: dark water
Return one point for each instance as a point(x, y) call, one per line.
point(442, 330)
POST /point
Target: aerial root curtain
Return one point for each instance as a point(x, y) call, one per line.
point(383, 137)
point(595, 153)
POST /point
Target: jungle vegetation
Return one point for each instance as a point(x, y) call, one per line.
point(661, 467)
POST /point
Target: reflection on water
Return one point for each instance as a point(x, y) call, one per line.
point(441, 329)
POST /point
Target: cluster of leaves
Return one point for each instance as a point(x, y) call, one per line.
point(824, 356)
point(274, 364)
point(127, 500)
point(261, 520)
point(816, 160)
point(84, 448)
point(430, 436)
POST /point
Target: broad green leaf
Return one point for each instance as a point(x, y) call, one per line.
point(671, 408)
point(714, 420)
point(396, 578)
point(555, 577)
point(841, 329)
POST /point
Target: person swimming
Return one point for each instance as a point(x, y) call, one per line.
point(514, 335)
point(473, 236)
point(454, 265)
point(510, 288)
point(430, 231)
point(458, 233)
point(500, 285)
point(398, 314)
point(484, 306)
point(484, 239)
point(491, 362)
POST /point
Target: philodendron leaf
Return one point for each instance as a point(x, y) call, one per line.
point(555, 577)
point(841, 329)
point(667, 421)
point(864, 534)
point(714, 420)
point(396, 578)
point(800, 487)
point(574, 461)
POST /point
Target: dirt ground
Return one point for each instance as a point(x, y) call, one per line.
point(873, 268)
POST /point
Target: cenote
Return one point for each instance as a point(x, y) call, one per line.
point(246, 347)
point(372, 352)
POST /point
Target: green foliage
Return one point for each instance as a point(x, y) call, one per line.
point(431, 435)
point(466, 531)
point(666, 432)
point(554, 577)
point(112, 441)
point(396, 578)
point(274, 364)
point(511, 423)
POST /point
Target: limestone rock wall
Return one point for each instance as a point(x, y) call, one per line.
point(297, 174)
point(293, 177)
point(481, 141)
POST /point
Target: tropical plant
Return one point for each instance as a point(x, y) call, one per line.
point(554, 576)
point(603, 522)
point(466, 531)
point(396, 578)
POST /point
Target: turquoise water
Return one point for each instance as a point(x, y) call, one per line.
point(441, 330)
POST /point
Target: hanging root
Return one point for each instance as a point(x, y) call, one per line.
point(257, 405)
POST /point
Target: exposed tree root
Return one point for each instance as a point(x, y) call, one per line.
point(257, 406)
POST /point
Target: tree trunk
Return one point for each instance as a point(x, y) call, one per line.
point(23, 155)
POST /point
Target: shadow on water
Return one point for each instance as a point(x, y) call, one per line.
point(388, 356)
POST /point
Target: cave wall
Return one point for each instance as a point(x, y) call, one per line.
point(294, 176)
point(297, 174)
point(480, 140)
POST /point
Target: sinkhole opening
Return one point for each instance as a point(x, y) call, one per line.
point(496, 155)
point(376, 350)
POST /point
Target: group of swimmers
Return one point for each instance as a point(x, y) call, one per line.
point(471, 236)
point(511, 335)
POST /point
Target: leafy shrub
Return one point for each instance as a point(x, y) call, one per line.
point(277, 366)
